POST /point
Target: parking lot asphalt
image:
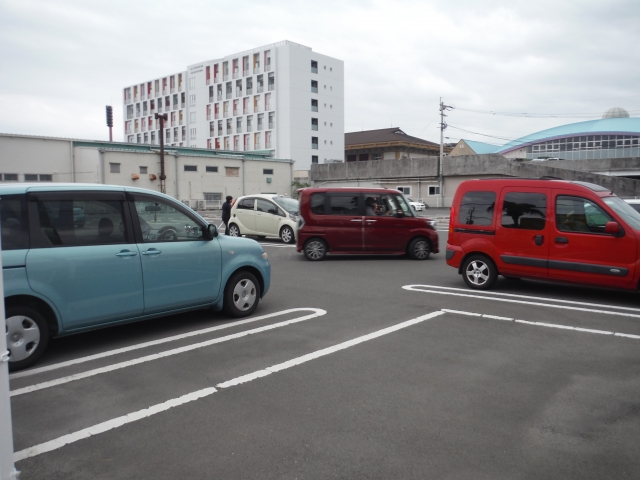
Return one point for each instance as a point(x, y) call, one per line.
point(354, 367)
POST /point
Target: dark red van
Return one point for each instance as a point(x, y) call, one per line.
point(362, 221)
point(543, 229)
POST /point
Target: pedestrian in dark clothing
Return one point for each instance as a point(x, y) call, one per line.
point(226, 214)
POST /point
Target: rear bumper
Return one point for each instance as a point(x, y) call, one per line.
point(454, 255)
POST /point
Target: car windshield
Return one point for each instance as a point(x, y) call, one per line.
point(289, 204)
point(404, 205)
point(625, 211)
point(412, 200)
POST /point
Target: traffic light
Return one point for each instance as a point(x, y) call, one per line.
point(109, 116)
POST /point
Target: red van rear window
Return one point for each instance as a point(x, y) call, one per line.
point(477, 208)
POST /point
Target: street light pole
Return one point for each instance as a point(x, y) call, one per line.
point(443, 126)
point(163, 118)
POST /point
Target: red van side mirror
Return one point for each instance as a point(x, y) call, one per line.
point(612, 228)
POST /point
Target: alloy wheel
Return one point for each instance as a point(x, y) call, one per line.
point(477, 272)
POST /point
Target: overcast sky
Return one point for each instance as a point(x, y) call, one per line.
point(62, 61)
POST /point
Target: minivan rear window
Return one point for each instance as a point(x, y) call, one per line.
point(317, 203)
point(524, 210)
point(15, 227)
point(476, 208)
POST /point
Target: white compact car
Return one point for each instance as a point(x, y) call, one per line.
point(417, 206)
point(265, 215)
point(634, 202)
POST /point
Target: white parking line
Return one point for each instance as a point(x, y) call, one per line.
point(55, 366)
point(156, 356)
point(277, 245)
point(543, 324)
point(422, 288)
point(161, 407)
point(528, 297)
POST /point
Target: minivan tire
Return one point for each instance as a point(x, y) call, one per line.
point(479, 272)
point(287, 235)
point(27, 336)
point(419, 248)
point(315, 249)
point(241, 294)
point(234, 231)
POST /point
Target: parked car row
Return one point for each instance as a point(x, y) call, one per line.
point(79, 257)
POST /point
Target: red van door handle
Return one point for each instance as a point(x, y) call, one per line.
point(562, 240)
point(539, 239)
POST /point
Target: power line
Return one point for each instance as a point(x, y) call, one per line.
point(538, 115)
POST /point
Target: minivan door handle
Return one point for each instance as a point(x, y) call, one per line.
point(539, 239)
point(152, 251)
point(126, 253)
point(562, 240)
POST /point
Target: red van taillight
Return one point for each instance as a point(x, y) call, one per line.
point(452, 214)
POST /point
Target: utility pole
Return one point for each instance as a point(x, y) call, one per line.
point(443, 126)
point(7, 468)
point(163, 118)
point(110, 122)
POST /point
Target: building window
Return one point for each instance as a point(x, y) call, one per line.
point(435, 190)
point(114, 168)
point(192, 82)
point(9, 177)
point(314, 143)
point(232, 171)
point(314, 66)
point(193, 117)
point(267, 171)
point(314, 158)
point(212, 169)
point(405, 190)
point(190, 168)
point(377, 156)
point(30, 177)
point(46, 178)
point(193, 133)
point(143, 169)
point(192, 100)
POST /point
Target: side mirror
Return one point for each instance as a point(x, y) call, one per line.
point(613, 228)
point(211, 231)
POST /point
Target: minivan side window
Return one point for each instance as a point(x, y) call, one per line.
point(476, 208)
point(74, 223)
point(15, 226)
point(524, 210)
point(317, 203)
point(266, 206)
point(246, 204)
point(344, 204)
point(161, 221)
point(575, 214)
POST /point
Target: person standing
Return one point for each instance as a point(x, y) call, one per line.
point(226, 214)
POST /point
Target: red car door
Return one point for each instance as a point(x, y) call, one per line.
point(384, 231)
point(343, 221)
point(522, 232)
point(580, 249)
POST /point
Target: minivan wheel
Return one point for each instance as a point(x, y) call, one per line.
point(234, 231)
point(419, 249)
point(241, 294)
point(27, 336)
point(315, 249)
point(479, 272)
point(286, 235)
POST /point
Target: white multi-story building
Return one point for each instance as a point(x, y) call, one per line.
point(282, 97)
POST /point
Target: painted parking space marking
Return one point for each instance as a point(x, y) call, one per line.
point(529, 297)
point(109, 353)
point(542, 324)
point(429, 289)
point(193, 396)
point(317, 312)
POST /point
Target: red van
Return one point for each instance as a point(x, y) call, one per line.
point(557, 230)
point(362, 221)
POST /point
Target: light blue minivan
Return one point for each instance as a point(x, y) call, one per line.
point(136, 254)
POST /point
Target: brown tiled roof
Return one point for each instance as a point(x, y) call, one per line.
point(384, 135)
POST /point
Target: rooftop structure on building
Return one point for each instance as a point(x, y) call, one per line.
point(282, 98)
point(386, 144)
point(615, 135)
